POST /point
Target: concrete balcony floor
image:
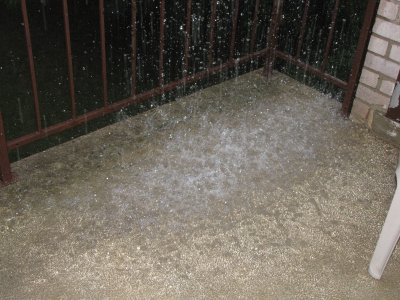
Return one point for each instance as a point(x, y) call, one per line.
point(247, 189)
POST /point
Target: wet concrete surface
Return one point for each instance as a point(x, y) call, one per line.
point(247, 189)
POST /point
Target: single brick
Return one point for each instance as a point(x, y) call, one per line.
point(381, 65)
point(368, 95)
point(369, 78)
point(395, 53)
point(360, 110)
point(387, 87)
point(388, 10)
point(387, 29)
point(378, 45)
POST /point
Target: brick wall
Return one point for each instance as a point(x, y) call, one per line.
point(382, 64)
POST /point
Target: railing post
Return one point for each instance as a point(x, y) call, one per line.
point(329, 42)
point(69, 58)
point(134, 47)
point(211, 37)
point(254, 24)
point(234, 29)
point(103, 52)
point(272, 37)
point(31, 62)
point(302, 29)
point(359, 56)
point(188, 28)
point(5, 167)
point(161, 74)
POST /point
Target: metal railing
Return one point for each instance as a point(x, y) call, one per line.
point(269, 53)
point(348, 86)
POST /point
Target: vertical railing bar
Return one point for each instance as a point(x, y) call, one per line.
point(69, 58)
point(162, 41)
point(330, 36)
point(188, 28)
point(134, 47)
point(211, 38)
point(103, 52)
point(254, 26)
point(272, 37)
point(359, 56)
point(235, 17)
point(303, 29)
point(31, 65)
point(5, 167)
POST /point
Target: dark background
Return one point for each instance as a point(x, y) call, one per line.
point(48, 43)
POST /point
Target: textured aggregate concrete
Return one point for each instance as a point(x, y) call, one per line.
point(246, 189)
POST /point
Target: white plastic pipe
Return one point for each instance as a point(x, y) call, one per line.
point(389, 236)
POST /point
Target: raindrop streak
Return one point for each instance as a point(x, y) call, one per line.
point(111, 53)
point(45, 125)
point(21, 115)
point(139, 67)
point(236, 69)
point(343, 48)
point(18, 154)
point(127, 77)
point(43, 4)
point(85, 118)
point(317, 50)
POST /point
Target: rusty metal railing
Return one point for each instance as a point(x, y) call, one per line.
point(268, 54)
point(348, 86)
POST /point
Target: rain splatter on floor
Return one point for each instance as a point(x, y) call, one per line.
point(247, 189)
